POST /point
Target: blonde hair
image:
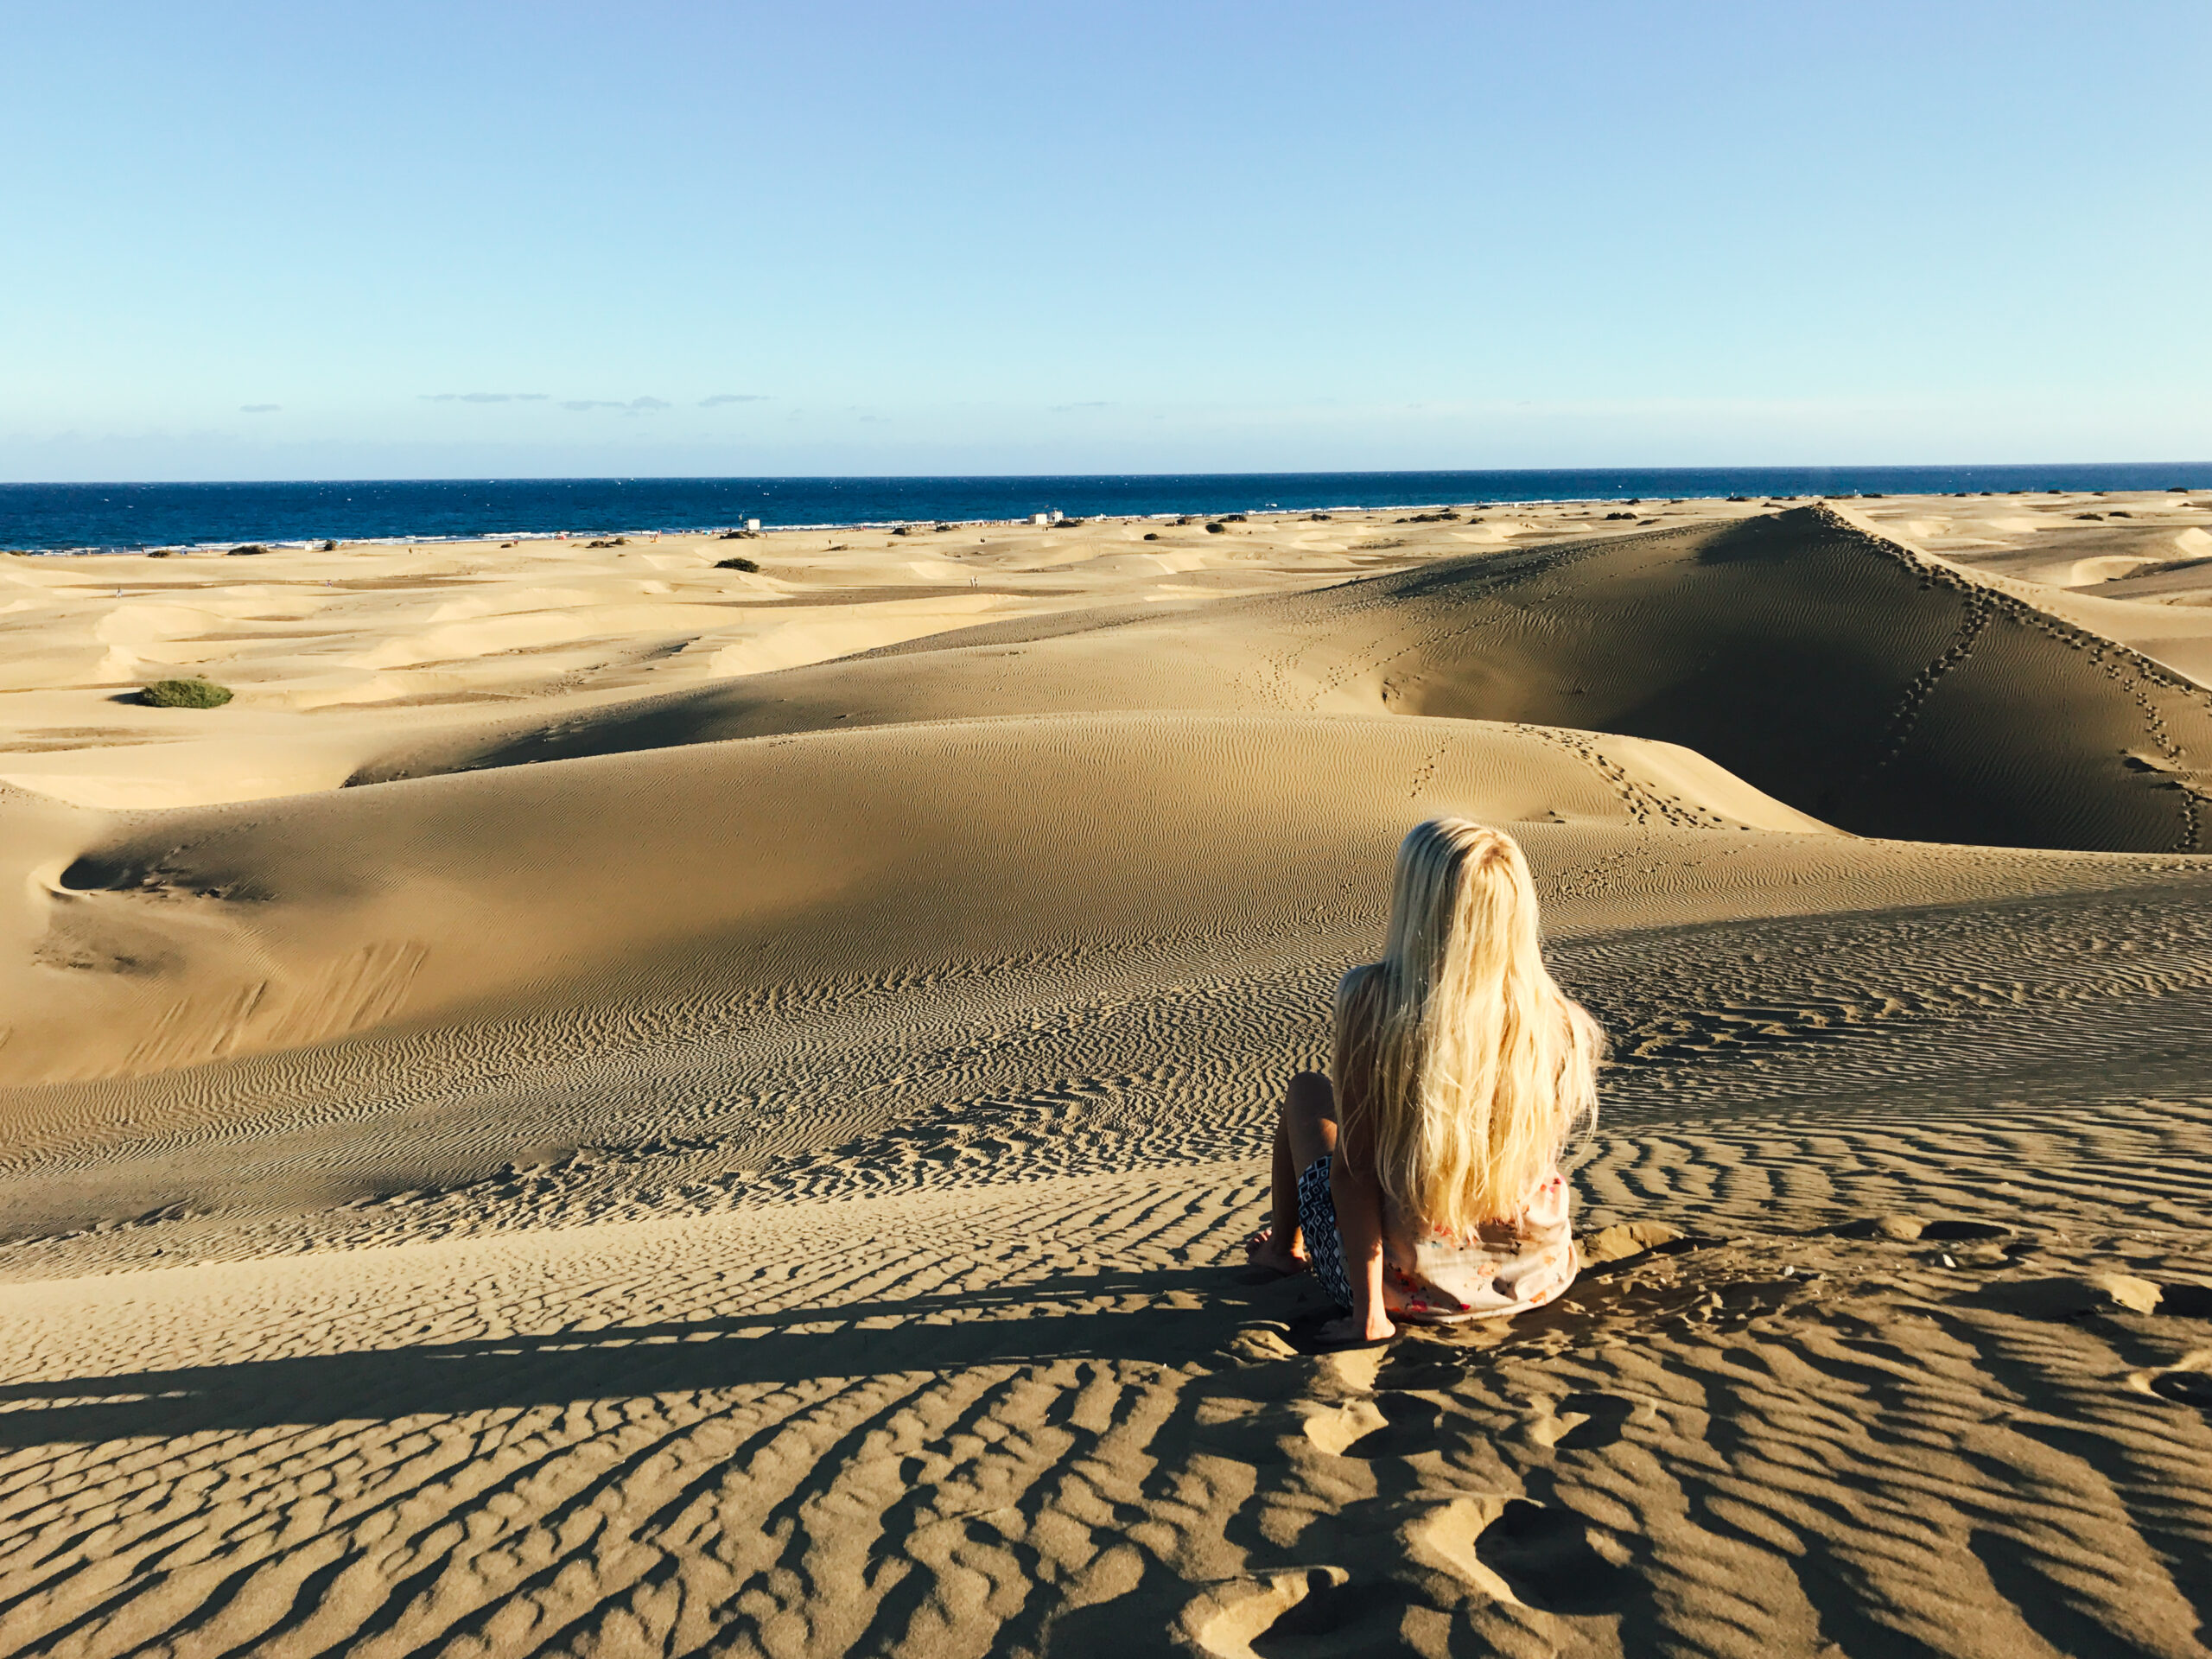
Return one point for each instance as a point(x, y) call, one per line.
point(1469, 1065)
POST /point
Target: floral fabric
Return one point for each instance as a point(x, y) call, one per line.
point(1500, 1269)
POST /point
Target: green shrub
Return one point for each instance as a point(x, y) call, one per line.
point(740, 563)
point(185, 694)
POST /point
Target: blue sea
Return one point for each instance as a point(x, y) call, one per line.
point(91, 518)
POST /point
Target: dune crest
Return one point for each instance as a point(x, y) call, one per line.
point(1888, 692)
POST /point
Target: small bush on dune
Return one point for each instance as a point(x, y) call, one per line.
point(740, 563)
point(249, 547)
point(185, 694)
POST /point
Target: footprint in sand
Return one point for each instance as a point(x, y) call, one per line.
point(1337, 1617)
point(2077, 1296)
point(2185, 1388)
point(1339, 1430)
point(1402, 1373)
point(2188, 1381)
point(1906, 1230)
point(1584, 1422)
point(2185, 1300)
point(1532, 1554)
point(1963, 1232)
point(1405, 1425)
point(1553, 1561)
point(1497, 1548)
point(1300, 1611)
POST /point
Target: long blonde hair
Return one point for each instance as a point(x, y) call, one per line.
point(1467, 1062)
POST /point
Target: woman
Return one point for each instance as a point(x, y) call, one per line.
point(1425, 1185)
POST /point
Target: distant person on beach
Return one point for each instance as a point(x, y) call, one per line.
point(1424, 1183)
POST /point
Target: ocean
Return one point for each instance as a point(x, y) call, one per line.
point(94, 518)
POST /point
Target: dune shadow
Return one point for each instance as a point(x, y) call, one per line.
point(1103, 1317)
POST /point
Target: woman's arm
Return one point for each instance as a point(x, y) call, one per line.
point(1358, 1198)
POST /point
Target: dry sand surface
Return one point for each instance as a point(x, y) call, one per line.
point(609, 1105)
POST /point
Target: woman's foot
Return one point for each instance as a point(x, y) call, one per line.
point(1261, 1251)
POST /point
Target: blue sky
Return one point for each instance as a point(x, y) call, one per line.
point(452, 240)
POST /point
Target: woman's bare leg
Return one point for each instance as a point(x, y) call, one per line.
point(1306, 1128)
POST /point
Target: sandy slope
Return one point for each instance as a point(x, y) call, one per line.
point(756, 1169)
point(213, 932)
point(1880, 689)
point(337, 655)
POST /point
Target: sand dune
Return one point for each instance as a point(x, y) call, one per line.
point(224, 930)
point(1884, 691)
point(731, 1161)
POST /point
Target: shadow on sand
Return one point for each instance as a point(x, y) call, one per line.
point(1109, 1317)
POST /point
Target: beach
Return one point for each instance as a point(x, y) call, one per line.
point(610, 1102)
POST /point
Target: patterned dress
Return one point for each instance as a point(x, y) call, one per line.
point(1429, 1277)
